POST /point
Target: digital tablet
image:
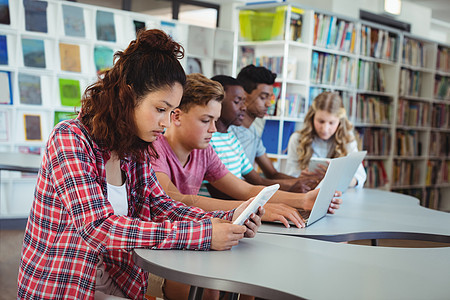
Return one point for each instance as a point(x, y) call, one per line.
point(263, 196)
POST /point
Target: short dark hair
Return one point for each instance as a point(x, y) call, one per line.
point(227, 81)
point(250, 76)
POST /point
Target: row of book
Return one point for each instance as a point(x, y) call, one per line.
point(378, 43)
point(440, 116)
point(414, 53)
point(332, 69)
point(443, 59)
point(274, 63)
point(377, 141)
point(294, 105)
point(412, 113)
point(429, 197)
point(34, 55)
point(410, 82)
point(442, 87)
point(373, 109)
point(438, 172)
point(333, 33)
point(376, 174)
point(370, 76)
point(408, 143)
point(28, 126)
point(405, 173)
point(31, 91)
point(36, 20)
point(439, 144)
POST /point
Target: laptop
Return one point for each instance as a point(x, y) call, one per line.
point(348, 172)
point(329, 184)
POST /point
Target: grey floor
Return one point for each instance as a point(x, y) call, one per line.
point(11, 245)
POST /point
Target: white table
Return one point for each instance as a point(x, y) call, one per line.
point(286, 267)
point(374, 214)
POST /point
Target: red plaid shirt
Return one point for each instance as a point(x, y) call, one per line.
point(71, 222)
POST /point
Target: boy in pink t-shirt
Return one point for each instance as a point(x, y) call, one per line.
point(187, 158)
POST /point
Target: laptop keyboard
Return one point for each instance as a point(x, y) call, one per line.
point(304, 214)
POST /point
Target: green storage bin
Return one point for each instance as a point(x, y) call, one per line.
point(256, 26)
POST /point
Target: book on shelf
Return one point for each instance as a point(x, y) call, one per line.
point(69, 55)
point(440, 116)
point(405, 173)
point(410, 82)
point(439, 144)
point(372, 109)
point(4, 126)
point(33, 53)
point(194, 65)
point(443, 60)
point(73, 19)
point(408, 143)
point(63, 115)
point(4, 12)
point(295, 24)
point(35, 15)
point(138, 26)
point(3, 50)
point(432, 198)
point(30, 89)
point(442, 87)
point(32, 126)
point(69, 92)
point(6, 88)
point(103, 58)
point(377, 141)
point(272, 110)
point(376, 174)
point(414, 53)
point(246, 56)
point(412, 113)
point(105, 26)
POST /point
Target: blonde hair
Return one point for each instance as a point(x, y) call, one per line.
point(331, 103)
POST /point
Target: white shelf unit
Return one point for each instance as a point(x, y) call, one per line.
point(64, 27)
point(380, 101)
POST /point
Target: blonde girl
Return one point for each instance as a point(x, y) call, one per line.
point(327, 133)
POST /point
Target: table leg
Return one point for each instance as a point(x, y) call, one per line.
point(195, 293)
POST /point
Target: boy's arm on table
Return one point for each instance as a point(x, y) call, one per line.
point(236, 188)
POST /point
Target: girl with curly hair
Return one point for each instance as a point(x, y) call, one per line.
point(97, 197)
point(326, 133)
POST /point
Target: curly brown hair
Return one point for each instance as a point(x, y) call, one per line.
point(332, 103)
point(199, 90)
point(149, 63)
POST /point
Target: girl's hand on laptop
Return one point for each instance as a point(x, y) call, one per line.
point(279, 212)
point(335, 202)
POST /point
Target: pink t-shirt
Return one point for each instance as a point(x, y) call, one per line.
point(202, 164)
